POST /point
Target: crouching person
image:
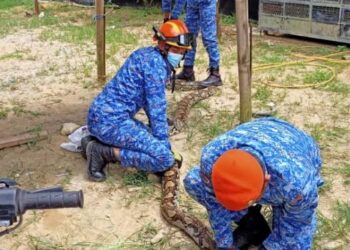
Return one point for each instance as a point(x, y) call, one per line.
point(139, 84)
point(266, 161)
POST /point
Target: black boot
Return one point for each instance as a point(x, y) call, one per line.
point(187, 74)
point(213, 79)
point(98, 155)
point(84, 142)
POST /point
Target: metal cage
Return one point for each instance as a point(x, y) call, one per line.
point(323, 19)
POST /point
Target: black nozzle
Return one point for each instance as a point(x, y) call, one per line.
point(49, 199)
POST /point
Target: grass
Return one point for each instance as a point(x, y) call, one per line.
point(326, 187)
point(75, 24)
point(8, 4)
point(72, 25)
point(228, 59)
point(19, 110)
point(138, 179)
point(15, 55)
point(36, 242)
point(3, 113)
point(345, 171)
point(316, 76)
point(265, 53)
point(36, 129)
point(338, 87)
point(321, 133)
point(335, 228)
point(228, 19)
point(203, 129)
point(263, 94)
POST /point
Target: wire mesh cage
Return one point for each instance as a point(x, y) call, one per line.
point(325, 14)
point(346, 16)
point(325, 19)
point(272, 8)
point(297, 10)
point(327, 1)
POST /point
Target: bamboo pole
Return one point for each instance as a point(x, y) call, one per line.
point(36, 8)
point(218, 20)
point(100, 40)
point(244, 73)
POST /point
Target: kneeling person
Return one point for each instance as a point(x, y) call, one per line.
point(139, 84)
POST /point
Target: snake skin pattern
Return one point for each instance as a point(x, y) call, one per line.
point(186, 103)
point(192, 226)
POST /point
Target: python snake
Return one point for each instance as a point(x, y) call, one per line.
point(170, 210)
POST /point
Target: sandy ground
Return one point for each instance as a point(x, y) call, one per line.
point(46, 85)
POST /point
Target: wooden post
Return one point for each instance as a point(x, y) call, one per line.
point(218, 20)
point(243, 52)
point(36, 8)
point(100, 40)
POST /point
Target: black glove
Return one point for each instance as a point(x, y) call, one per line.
point(252, 229)
point(166, 19)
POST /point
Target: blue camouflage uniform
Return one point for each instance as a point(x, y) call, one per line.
point(200, 15)
point(291, 157)
point(139, 84)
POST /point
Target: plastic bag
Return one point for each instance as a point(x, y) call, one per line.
point(74, 144)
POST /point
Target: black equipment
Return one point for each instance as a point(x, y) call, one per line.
point(14, 202)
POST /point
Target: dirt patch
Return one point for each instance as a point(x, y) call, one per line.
point(44, 84)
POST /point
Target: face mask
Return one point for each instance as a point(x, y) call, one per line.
point(174, 59)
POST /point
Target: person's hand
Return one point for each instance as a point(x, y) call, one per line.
point(178, 158)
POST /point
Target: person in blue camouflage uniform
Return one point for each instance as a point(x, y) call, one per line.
point(200, 15)
point(292, 160)
point(139, 84)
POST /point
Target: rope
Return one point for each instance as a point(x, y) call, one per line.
point(306, 60)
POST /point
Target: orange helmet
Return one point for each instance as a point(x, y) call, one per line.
point(174, 33)
point(238, 179)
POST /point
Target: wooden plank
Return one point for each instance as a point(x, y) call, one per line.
point(22, 139)
point(100, 41)
point(243, 51)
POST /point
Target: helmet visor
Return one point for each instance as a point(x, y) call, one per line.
point(185, 40)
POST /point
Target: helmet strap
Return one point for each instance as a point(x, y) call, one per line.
point(164, 53)
point(173, 72)
point(173, 77)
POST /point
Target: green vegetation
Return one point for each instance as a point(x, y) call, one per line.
point(8, 4)
point(345, 172)
point(335, 228)
point(140, 185)
point(322, 133)
point(316, 76)
point(3, 113)
point(15, 55)
point(228, 19)
point(266, 53)
point(338, 87)
point(202, 129)
point(263, 94)
point(138, 179)
point(36, 129)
